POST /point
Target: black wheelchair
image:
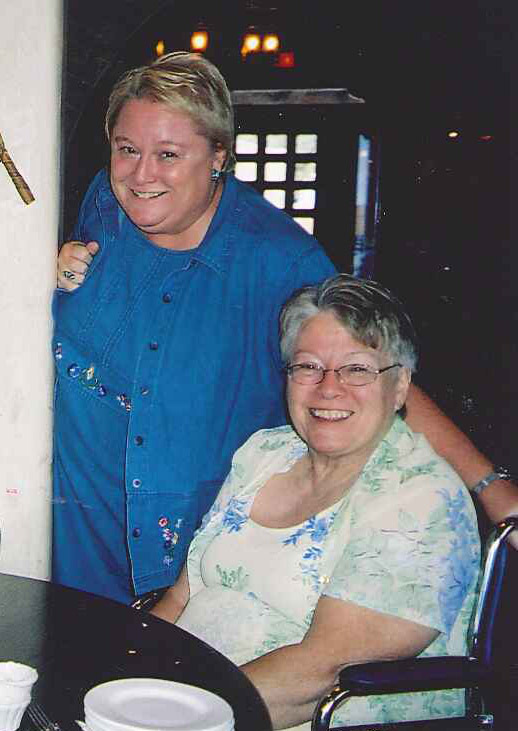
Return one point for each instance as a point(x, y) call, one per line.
point(476, 672)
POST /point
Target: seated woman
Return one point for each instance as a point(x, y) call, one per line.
point(343, 539)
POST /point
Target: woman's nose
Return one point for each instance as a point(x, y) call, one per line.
point(331, 384)
point(145, 169)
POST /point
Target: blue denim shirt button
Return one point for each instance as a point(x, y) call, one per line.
point(153, 345)
point(144, 390)
point(139, 440)
point(136, 482)
point(166, 298)
point(137, 532)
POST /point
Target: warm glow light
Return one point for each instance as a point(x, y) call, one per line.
point(251, 43)
point(453, 134)
point(270, 43)
point(486, 138)
point(199, 40)
point(160, 48)
point(286, 60)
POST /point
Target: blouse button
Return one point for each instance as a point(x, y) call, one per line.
point(139, 440)
point(167, 298)
point(144, 390)
point(136, 482)
point(153, 345)
point(137, 532)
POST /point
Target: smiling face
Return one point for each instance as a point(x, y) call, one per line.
point(334, 419)
point(160, 173)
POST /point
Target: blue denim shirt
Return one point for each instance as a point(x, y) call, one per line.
point(166, 362)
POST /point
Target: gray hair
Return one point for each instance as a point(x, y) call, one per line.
point(368, 311)
point(184, 81)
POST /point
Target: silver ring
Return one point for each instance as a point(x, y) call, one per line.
point(69, 275)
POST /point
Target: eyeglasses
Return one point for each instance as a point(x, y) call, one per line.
point(354, 374)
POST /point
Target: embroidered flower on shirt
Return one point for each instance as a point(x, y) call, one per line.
point(124, 401)
point(169, 538)
point(85, 376)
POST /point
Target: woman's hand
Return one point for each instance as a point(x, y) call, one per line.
point(73, 262)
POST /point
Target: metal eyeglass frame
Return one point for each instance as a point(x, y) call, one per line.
point(290, 369)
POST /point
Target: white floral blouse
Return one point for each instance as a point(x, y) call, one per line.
point(403, 541)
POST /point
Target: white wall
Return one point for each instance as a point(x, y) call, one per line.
point(30, 84)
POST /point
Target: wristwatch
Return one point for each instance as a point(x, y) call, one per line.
point(499, 473)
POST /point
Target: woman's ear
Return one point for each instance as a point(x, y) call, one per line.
point(220, 157)
point(402, 386)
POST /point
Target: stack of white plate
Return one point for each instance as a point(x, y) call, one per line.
point(149, 704)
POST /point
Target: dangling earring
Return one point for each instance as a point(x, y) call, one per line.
point(215, 175)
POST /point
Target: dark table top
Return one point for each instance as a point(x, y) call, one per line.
point(77, 640)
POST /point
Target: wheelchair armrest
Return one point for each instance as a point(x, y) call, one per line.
point(415, 674)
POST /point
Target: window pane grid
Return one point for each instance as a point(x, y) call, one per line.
point(283, 168)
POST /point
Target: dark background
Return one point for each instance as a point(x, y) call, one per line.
point(448, 228)
point(447, 237)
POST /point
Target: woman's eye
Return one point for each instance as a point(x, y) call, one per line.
point(169, 155)
point(309, 366)
point(127, 150)
point(356, 368)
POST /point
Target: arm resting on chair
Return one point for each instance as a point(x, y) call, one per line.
point(431, 673)
point(291, 679)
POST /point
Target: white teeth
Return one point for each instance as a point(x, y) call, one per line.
point(331, 415)
point(140, 194)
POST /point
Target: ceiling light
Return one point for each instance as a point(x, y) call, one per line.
point(199, 40)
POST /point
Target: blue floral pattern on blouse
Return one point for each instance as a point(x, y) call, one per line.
point(402, 541)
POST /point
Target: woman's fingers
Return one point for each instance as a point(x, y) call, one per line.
point(73, 261)
point(93, 247)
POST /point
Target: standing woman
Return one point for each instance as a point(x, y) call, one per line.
point(167, 355)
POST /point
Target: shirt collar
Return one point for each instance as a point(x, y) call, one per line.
point(215, 249)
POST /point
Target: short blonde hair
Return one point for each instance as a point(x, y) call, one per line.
point(184, 81)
